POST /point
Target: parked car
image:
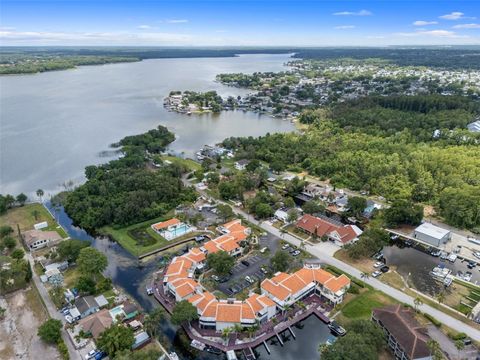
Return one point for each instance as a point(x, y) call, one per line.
point(384, 269)
point(215, 277)
point(100, 355)
point(264, 270)
point(376, 274)
point(245, 262)
point(285, 247)
point(69, 319)
point(378, 264)
point(296, 253)
point(91, 354)
point(249, 279)
point(262, 250)
point(378, 256)
point(223, 279)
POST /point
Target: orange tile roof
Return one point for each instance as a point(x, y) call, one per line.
point(211, 309)
point(265, 300)
point(276, 290)
point(294, 283)
point(211, 247)
point(165, 224)
point(229, 245)
point(306, 275)
point(207, 299)
point(322, 276)
point(195, 255)
point(338, 283)
point(254, 303)
point(247, 312)
point(193, 299)
point(229, 312)
point(185, 289)
point(279, 277)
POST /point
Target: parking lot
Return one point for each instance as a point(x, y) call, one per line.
point(237, 281)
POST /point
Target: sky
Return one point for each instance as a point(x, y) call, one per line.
point(239, 22)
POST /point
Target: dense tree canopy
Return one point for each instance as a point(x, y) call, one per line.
point(220, 262)
point(50, 331)
point(91, 262)
point(70, 249)
point(125, 191)
point(184, 311)
point(280, 261)
point(115, 339)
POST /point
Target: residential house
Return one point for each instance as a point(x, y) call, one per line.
point(241, 164)
point(37, 239)
point(96, 323)
point(141, 339)
point(87, 305)
point(339, 233)
point(406, 338)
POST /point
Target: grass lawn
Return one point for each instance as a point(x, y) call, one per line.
point(147, 236)
point(360, 306)
point(24, 217)
point(188, 163)
point(363, 264)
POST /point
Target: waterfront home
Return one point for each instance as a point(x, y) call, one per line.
point(277, 293)
point(87, 305)
point(141, 339)
point(96, 323)
point(37, 239)
point(405, 337)
point(474, 126)
point(171, 229)
point(241, 164)
point(286, 289)
point(432, 234)
point(336, 232)
point(281, 214)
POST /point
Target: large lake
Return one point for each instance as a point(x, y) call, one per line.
point(54, 124)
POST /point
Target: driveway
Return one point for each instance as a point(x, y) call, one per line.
point(448, 346)
point(54, 313)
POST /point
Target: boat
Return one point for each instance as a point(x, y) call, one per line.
point(440, 272)
point(443, 255)
point(149, 291)
point(197, 345)
point(435, 253)
point(212, 350)
point(473, 240)
point(452, 257)
point(476, 254)
point(337, 329)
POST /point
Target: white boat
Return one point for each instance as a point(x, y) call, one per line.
point(476, 254)
point(473, 240)
point(440, 272)
point(197, 345)
point(448, 280)
point(452, 257)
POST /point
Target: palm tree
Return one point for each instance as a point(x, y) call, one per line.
point(364, 275)
point(40, 194)
point(417, 302)
point(237, 328)
point(441, 297)
point(282, 232)
point(226, 333)
point(302, 245)
point(435, 349)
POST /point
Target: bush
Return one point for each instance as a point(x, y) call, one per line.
point(50, 331)
point(63, 349)
point(458, 336)
point(432, 320)
point(354, 289)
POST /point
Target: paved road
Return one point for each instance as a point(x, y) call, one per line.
point(54, 313)
point(394, 293)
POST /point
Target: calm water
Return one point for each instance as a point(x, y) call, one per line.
point(416, 265)
point(54, 124)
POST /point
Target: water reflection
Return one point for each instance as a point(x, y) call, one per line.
point(414, 265)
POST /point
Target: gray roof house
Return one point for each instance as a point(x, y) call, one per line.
point(87, 305)
point(432, 234)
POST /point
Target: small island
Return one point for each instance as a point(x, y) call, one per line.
point(189, 102)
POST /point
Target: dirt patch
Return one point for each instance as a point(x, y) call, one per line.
point(18, 329)
point(363, 264)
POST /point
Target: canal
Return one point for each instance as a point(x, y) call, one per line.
point(127, 274)
point(415, 265)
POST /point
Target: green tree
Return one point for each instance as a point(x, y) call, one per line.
point(403, 212)
point(435, 349)
point(9, 242)
point(35, 214)
point(5, 230)
point(263, 211)
point(152, 321)
point(85, 285)
point(356, 205)
point(313, 207)
point(70, 249)
point(21, 199)
point(116, 338)
point(292, 215)
point(17, 254)
point(221, 262)
point(50, 331)
point(417, 302)
point(224, 211)
point(40, 194)
point(289, 202)
point(280, 261)
point(184, 311)
point(91, 262)
point(151, 354)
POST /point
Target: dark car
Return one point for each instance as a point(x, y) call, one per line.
point(245, 262)
point(384, 269)
point(336, 329)
point(223, 279)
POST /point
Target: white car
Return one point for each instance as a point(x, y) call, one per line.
point(215, 277)
point(263, 249)
point(378, 264)
point(91, 354)
point(285, 246)
point(376, 274)
point(249, 279)
point(69, 319)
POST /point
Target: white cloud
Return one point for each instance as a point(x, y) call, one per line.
point(87, 38)
point(144, 27)
point(353, 13)
point(344, 27)
point(176, 21)
point(467, 26)
point(424, 23)
point(456, 15)
point(432, 33)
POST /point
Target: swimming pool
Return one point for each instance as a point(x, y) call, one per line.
point(117, 311)
point(174, 232)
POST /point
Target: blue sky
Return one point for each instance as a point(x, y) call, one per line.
point(240, 23)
